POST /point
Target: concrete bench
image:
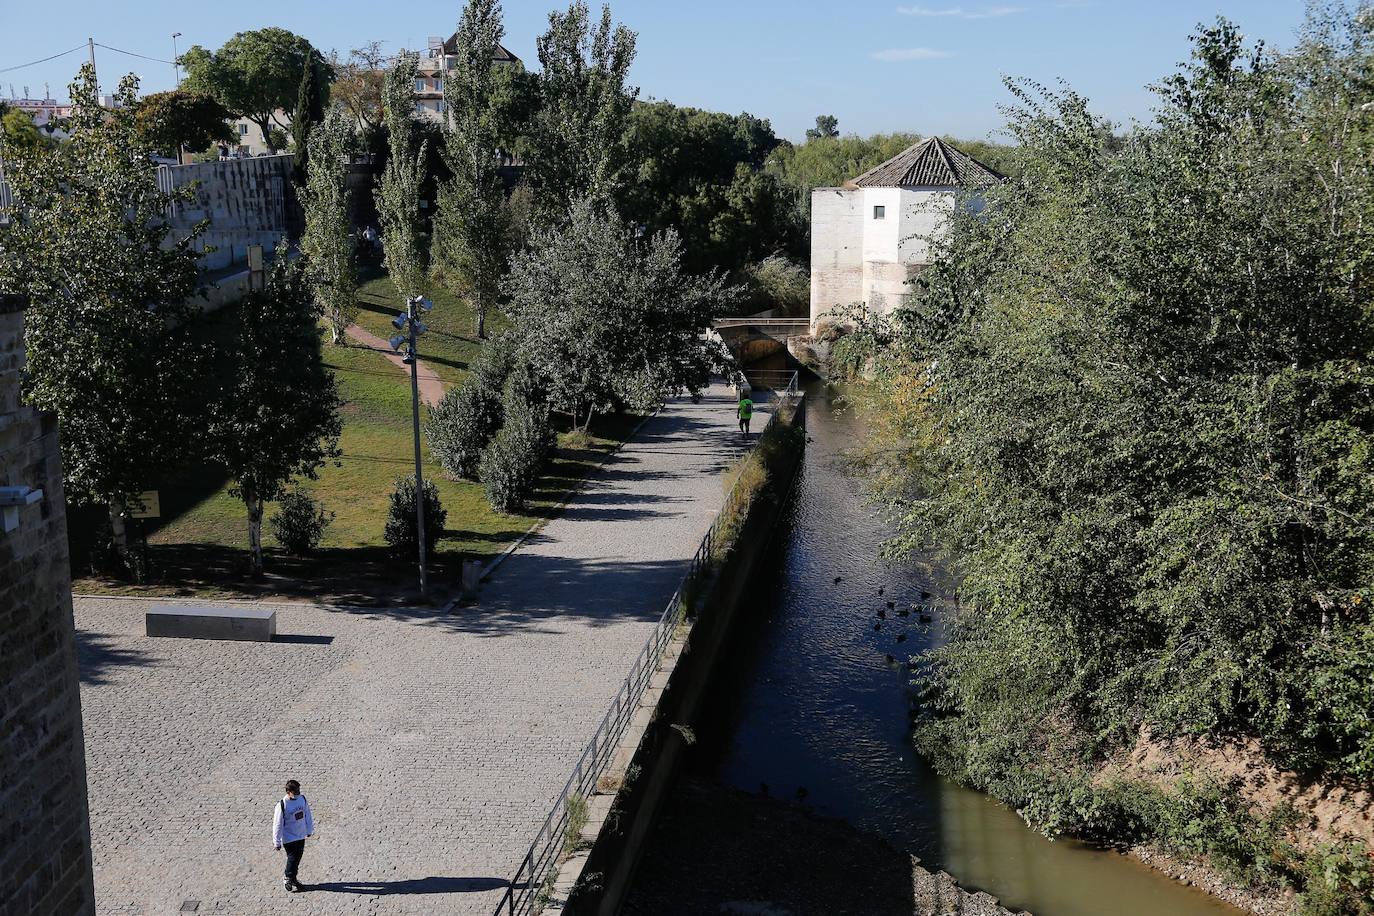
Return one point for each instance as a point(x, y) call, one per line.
point(178, 620)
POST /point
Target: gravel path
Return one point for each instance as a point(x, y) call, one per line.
point(430, 745)
point(431, 387)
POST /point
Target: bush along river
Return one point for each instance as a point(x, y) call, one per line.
point(803, 793)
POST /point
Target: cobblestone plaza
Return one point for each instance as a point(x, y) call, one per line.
point(430, 745)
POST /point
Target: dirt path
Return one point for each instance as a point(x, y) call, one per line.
point(431, 388)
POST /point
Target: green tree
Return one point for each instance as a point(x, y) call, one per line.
point(358, 83)
point(19, 131)
point(400, 532)
point(827, 162)
point(328, 241)
point(1136, 410)
point(310, 105)
point(278, 418)
point(255, 75)
point(827, 127)
point(702, 174)
point(511, 462)
point(610, 321)
point(109, 285)
point(464, 421)
point(577, 142)
point(398, 192)
point(171, 121)
point(471, 232)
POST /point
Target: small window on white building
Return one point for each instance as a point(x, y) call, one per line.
point(439, 106)
point(880, 212)
point(419, 85)
point(438, 85)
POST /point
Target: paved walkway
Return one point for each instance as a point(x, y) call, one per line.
point(429, 745)
point(431, 387)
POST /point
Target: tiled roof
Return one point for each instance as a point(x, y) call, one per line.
point(930, 163)
point(502, 55)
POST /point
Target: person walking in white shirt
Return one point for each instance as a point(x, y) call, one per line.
point(291, 824)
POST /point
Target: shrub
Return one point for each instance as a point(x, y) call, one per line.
point(465, 420)
point(777, 283)
point(510, 464)
point(461, 425)
point(400, 518)
point(299, 523)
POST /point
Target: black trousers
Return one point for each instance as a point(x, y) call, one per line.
point(294, 850)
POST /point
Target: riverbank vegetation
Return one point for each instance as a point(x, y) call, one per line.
point(1132, 402)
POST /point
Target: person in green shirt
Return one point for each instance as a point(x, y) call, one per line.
point(745, 411)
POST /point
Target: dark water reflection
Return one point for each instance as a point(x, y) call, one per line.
point(810, 707)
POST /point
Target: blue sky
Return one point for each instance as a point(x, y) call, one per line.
point(932, 67)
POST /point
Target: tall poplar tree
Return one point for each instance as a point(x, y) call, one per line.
point(327, 241)
point(310, 104)
point(578, 138)
point(398, 192)
point(470, 231)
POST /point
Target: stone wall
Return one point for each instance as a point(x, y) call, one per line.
point(247, 202)
point(45, 841)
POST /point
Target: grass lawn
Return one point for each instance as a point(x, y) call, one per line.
point(200, 545)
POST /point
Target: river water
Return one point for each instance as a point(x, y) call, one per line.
point(809, 706)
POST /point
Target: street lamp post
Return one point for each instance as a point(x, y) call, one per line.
point(413, 327)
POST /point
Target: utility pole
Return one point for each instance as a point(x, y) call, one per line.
point(410, 321)
point(90, 46)
point(176, 64)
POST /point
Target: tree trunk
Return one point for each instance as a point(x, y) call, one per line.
point(265, 126)
point(254, 506)
point(480, 306)
point(119, 541)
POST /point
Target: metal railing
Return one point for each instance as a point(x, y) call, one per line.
point(773, 384)
point(524, 894)
point(798, 324)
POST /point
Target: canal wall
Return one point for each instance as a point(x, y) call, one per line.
point(607, 847)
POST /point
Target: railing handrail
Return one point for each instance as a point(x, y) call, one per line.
point(542, 855)
point(745, 322)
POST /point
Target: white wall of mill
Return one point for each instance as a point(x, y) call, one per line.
point(882, 237)
point(856, 257)
point(925, 213)
point(837, 243)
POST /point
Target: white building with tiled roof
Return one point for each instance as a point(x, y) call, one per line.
point(870, 237)
point(429, 81)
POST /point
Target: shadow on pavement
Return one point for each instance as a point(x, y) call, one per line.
point(412, 886)
point(96, 654)
point(302, 640)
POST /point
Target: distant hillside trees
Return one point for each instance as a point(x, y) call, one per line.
point(702, 174)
